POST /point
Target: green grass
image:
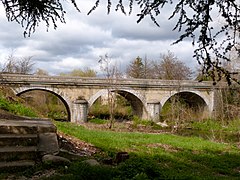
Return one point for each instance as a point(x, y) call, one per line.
point(212, 129)
point(16, 108)
point(211, 124)
point(98, 121)
point(156, 156)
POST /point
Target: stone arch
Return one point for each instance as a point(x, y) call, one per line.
point(136, 100)
point(194, 98)
point(64, 100)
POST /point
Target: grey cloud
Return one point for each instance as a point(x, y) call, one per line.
point(84, 38)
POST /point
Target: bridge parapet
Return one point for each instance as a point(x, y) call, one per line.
point(79, 81)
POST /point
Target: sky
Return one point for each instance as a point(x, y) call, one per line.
point(78, 43)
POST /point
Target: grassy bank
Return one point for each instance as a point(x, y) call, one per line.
point(10, 103)
point(156, 156)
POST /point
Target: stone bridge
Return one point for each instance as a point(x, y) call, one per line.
point(146, 96)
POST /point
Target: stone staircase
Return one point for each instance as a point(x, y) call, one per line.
point(23, 142)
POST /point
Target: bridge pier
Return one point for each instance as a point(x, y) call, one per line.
point(154, 108)
point(80, 111)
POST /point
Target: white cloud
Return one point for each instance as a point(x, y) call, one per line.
point(80, 42)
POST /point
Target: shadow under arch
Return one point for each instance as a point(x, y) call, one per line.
point(191, 99)
point(55, 94)
point(137, 104)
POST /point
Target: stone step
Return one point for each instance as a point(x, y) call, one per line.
point(22, 142)
point(26, 126)
point(9, 129)
point(15, 153)
point(22, 163)
point(18, 140)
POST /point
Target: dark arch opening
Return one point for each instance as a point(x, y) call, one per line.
point(42, 97)
point(128, 99)
point(135, 102)
point(184, 106)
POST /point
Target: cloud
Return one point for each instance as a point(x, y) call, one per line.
point(80, 42)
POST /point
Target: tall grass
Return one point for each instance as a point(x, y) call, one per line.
point(16, 108)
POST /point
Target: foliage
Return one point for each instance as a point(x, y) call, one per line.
point(136, 68)
point(97, 121)
point(48, 104)
point(196, 21)
point(170, 68)
point(16, 108)
point(30, 13)
point(228, 103)
point(167, 67)
point(139, 68)
point(213, 124)
point(178, 113)
point(99, 111)
point(215, 130)
point(123, 110)
point(22, 65)
point(87, 72)
point(112, 74)
point(139, 122)
point(41, 72)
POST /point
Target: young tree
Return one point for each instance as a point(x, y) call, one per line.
point(111, 74)
point(10, 64)
point(136, 68)
point(195, 20)
point(139, 68)
point(170, 68)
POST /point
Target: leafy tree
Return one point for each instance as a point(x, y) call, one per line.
point(136, 68)
point(139, 68)
point(81, 73)
point(170, 68)
point(195, 20)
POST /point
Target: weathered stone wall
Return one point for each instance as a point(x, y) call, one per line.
point(140, 92)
